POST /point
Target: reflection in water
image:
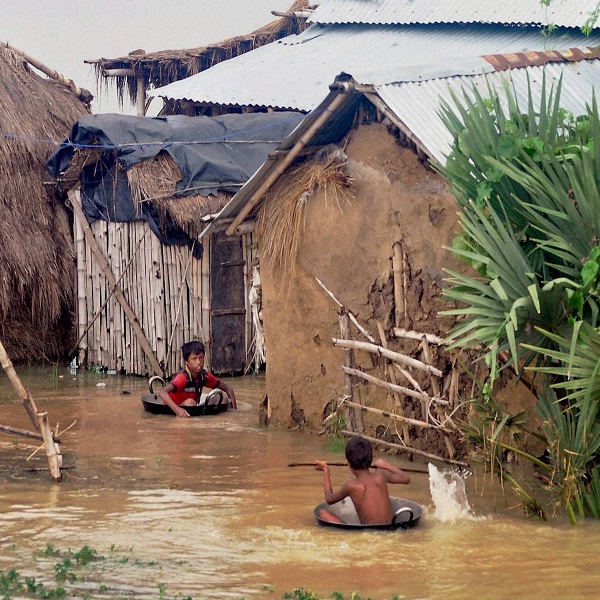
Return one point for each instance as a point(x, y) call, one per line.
point(207, 507)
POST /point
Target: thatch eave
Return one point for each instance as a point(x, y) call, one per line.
point(160, 68)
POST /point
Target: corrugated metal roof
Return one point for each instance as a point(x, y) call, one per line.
point(417, 105)
point(579, 81)
point(295, 72)
point(562, 13)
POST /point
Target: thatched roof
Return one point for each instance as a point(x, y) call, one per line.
point(164, 67)
point(36, 262)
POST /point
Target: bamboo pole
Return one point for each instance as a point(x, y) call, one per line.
point(390, 386)
point(397, 395)
point(22, 393)
point(81, 93)
point(414, 335)
point(394, 356)
point(353, 417)
point(75, 199)
point(409, 450)
point(274, 173)
point(395, 417)
point(205, 296)
point(398, 286)
point(82, 320)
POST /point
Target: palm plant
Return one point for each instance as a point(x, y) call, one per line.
point(528, 184)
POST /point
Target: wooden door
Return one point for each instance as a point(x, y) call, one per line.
point(228, 312)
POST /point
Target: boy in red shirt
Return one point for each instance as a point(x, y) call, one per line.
point(185, 388)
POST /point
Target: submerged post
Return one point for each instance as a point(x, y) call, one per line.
point(40, 420)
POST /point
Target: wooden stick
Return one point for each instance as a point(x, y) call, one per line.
point(22, 432)
point(345, 464)
point(415, 335)
point(353, 418)
point(408, 449)
point(390, 386)
point(402, 418)
point(394, 356)
point(350, 315)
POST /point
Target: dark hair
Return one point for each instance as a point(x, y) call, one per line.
point(359, 453)
point(193, 347)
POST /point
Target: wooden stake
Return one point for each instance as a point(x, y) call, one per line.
point(39, 419)
point(52, 451)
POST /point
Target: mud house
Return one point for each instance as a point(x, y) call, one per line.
point(364, 224)
point(36, 262)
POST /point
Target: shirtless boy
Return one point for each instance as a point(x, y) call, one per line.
point(369, 491)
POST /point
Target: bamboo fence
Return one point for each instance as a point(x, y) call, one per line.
point(436, 395)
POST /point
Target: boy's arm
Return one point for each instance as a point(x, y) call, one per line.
point(164, 395)
point(229, 391)
point(331, 497)
point(391, 473)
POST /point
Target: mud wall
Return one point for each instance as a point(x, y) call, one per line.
point(349, 249)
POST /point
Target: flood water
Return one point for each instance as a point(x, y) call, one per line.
point(208, 508)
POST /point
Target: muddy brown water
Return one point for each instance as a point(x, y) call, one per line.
point(208, 508)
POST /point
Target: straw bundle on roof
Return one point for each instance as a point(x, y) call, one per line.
point(36, 262)
point(281, 216)
point(164, 67)
point(155, 181)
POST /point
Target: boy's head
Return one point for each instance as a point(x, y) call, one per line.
point(193, 347)
point(359, 453)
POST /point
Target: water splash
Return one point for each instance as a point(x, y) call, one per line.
point(449, 496)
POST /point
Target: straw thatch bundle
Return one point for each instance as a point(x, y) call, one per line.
point(36, 258)
point(281, 216)
point(161, 68)
point(155, 181)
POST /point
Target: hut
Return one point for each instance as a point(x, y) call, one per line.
point(36, 264)
point(133, 75)
point(140, 189)
point(352, 223)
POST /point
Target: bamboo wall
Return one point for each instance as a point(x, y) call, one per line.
point(167, 288)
